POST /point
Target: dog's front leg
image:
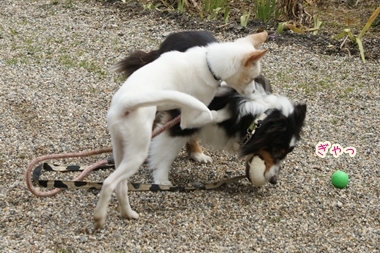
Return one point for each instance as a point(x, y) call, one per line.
point(193, 119)
point(221, 115)
point(195, 151)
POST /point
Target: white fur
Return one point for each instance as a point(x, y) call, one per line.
point(164, 160)
point(174, 80)
point(293, 142)
point(259, 101)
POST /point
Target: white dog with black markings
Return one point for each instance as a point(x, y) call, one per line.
point(187, 81)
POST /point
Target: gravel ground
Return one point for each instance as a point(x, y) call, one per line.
point(55, 90)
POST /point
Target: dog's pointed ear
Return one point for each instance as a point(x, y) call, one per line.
point(258, 38)
point(254, 57)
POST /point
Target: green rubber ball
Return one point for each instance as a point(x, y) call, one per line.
point(339, 179)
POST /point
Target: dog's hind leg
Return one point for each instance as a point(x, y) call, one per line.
point(125, 170)
point(163, 150)
point(122, 196)
point(130, 140)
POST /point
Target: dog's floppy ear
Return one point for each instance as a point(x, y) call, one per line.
point(254, 57)
point(258, 38)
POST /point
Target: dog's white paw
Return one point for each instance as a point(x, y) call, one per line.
point(200, 157)
point(100, 215)
point(221, 115)
point(130, 215)
point(99, 221)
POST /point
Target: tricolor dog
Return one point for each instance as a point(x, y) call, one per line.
point(263, 125)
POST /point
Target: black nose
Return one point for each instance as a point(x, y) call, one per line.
point(273, 180)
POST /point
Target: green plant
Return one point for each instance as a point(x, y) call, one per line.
point(151, 6)
point(212, 8)
point(245, 18)
point(181, 6)
point(317, 24)
point(226, 14)
point(13, 31)
point(266, 9)
point(68, 4)
point(358, 39)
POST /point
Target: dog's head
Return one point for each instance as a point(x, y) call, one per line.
point(273, 138)
point(242, 79)
point(243, 59)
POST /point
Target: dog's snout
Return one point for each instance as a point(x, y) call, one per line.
point(273, 180)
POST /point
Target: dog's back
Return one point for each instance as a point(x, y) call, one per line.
point(180, 41)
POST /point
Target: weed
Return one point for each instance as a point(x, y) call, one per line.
point(276, 219)
point(358, 39)
point(92, 67)
point(317, 24)
point(266, 10)
point(68, 4)
point(13, 31)
point(28, 41)
point(12, 61)
point(244, 19)
point(226, 14)
point(119, 79)
point(215, 7)
point(181, 6)
point(67, 61)
point(151, 6)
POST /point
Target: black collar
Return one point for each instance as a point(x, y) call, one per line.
point(212, 72)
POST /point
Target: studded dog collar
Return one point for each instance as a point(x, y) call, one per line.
point(256, 123)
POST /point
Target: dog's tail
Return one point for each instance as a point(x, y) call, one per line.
point(158, 98)
point(135, 61)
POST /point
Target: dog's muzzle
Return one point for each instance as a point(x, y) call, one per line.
point(273, 180)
